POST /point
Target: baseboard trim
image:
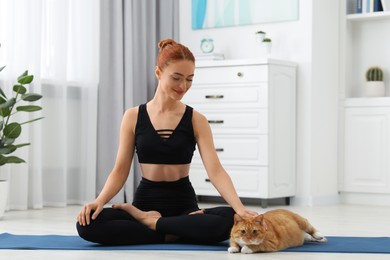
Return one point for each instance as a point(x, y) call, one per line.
point(365, 199)
point(315, 200)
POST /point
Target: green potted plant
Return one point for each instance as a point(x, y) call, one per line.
point(19, 102)
point(260, 35)
point(375, 86)
point(267, 42)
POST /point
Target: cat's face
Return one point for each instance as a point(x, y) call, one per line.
point(249, 231)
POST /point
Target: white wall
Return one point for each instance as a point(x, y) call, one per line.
point(291, 40)
point(306, 42)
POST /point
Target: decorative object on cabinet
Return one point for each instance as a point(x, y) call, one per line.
point(209, 56)
point(207, 45)
point(207, 50)
point(375, 86)
point(263, 44)
point(260, 35)
point(251, 108)
point(267, 45)
point(265, 40)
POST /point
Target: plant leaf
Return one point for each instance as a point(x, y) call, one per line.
point(1, 125)
point(11, 148)
point(2, 68)
point(19, 89)
point(5, 107)
point(10, 159)
point(28, 108)
point(12, 130)
point(21, 145)
point(31, 97)
point(8, 141)
point(3, 160)
point(3, 96)
point(5, 112)
point(8, 149)
point(23, 75)
point(32, 120)
point(25, 79)
point(9, 103)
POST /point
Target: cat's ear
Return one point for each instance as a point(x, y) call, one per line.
point(237, 218)
point(260, 219)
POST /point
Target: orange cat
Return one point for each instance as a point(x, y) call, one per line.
point(273, 231)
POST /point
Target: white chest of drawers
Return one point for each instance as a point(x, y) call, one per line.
point(251, 107)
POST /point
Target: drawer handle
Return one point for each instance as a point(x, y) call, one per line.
point(215, 121)
point(214, 96)
point(240, 74)
point(207, 180)
point(219, 149)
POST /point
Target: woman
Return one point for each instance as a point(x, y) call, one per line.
point(164, 133)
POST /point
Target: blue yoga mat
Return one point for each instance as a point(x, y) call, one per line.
point(372, 245)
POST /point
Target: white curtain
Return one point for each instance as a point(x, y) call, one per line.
point(58, 42)
point(130, 31)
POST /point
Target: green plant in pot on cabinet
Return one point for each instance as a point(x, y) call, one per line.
point(375, 86)
point(260, 35)
point(267, 42)
point(10, 129)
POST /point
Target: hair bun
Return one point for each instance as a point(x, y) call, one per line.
point(171, 51)
point(164, 43)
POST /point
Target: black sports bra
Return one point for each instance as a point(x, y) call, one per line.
point(164, 146)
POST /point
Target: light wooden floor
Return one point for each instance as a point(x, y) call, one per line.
point(336, 220)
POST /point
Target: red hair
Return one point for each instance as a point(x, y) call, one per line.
point(171, 51)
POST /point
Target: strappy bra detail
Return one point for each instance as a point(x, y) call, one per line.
point(164, 146)
point(165, 133)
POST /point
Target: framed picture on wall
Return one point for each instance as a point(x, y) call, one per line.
point(224, 13)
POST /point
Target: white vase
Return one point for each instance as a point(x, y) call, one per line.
point(3, 196)
point(268, 47)
point(259, 38)
point(375, 89)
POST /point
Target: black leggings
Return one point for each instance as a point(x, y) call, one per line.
point(174, 200)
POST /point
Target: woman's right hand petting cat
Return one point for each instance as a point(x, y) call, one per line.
point(272, 231)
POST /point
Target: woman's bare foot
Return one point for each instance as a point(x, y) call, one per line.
point(148, 218)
